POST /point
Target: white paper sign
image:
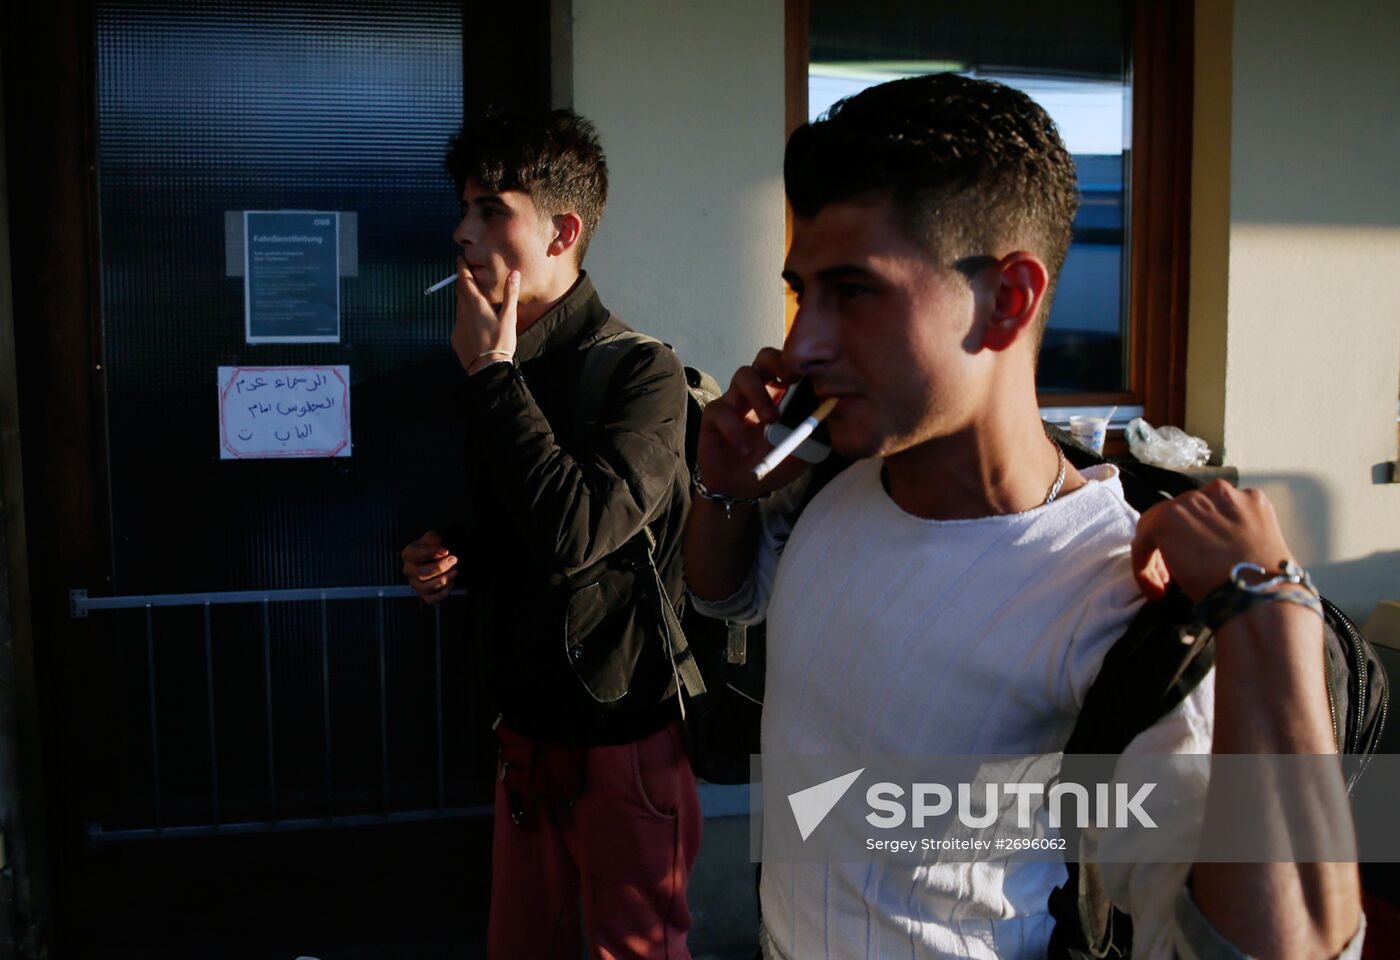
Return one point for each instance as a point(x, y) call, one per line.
point(284, 412)
point(291, 276)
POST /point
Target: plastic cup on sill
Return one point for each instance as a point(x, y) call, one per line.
point(1090, 431)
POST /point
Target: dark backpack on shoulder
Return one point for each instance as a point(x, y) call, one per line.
point(712, 662)
point(725, 707)
point(725, 732)
point(1145, 675)
point(602, 357)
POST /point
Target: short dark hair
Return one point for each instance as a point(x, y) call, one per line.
point(970, 165)
point(554, 156)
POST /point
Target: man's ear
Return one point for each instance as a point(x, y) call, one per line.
point(1020, 280)
point(568, 228)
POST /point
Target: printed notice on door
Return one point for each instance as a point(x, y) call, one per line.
point(278, 412)
point(291, 276)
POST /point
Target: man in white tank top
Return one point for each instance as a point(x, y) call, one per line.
point(956, 589)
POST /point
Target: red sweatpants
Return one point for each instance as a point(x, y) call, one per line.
point(624, 847)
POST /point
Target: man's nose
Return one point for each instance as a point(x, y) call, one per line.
point(812, 343)
point(462, 235)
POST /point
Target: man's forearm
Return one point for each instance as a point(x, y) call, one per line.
point(1271, 698)
point(573, 507)
point(719, 550)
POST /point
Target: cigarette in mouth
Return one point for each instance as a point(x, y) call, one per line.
point(440, 284)
point(794, 440)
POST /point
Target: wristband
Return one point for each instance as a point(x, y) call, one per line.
point(728, 503)
point(505, 355)
point(1289, 572)
point(1238, 594)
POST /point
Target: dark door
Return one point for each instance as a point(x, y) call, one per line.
point(305, 768)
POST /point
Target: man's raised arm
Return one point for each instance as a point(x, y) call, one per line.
point(569, 509)
point(1271, 698)
point(722, 533)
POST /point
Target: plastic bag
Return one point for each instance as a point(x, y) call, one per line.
point(1168, 447)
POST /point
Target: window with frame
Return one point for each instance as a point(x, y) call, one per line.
point(1115, 75)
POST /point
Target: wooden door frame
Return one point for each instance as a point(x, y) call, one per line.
point(49, 110)
point(1160, 230)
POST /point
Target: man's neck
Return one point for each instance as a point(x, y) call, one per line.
point(527, 313)
point(1002, 463)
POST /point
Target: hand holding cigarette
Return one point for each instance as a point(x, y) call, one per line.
point(483, 332)
point(794, 440)
point(732, 438)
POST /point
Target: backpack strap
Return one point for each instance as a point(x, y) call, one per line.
point(1144, 676)
point(683, 666)
point(600, 363)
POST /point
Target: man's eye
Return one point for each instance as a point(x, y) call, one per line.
point(846, 291)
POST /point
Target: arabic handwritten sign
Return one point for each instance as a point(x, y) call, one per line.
point(284, 412)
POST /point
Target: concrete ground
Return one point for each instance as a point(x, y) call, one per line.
point(723, 900)
point(722, 895)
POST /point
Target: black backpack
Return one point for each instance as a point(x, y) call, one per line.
point(710, 656)
point(721, 664)
point(1145, 675)
point(725, 731)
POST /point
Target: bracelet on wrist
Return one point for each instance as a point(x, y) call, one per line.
point(729, 503)
point(1242, 575)
point(504, 355)
point(1245, 590)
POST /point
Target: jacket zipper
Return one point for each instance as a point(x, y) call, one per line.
point(1331, 703)
point(1358, 654)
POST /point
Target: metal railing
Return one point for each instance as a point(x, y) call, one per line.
point(81, 605)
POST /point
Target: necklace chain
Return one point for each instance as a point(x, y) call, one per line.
point(1059, 475)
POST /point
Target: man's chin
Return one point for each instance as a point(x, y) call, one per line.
point(852, 443)
point(487, 283)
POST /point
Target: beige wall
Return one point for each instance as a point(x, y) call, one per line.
point(688, 99)
point(1295, 337)
point(1294, 354)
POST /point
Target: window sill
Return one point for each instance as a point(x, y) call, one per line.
point(1120, 415)
point(1202, 475)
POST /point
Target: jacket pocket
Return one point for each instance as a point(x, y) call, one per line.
point(603, 635)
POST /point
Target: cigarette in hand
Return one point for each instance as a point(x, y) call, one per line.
point(794, 440)
point(440, 284)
